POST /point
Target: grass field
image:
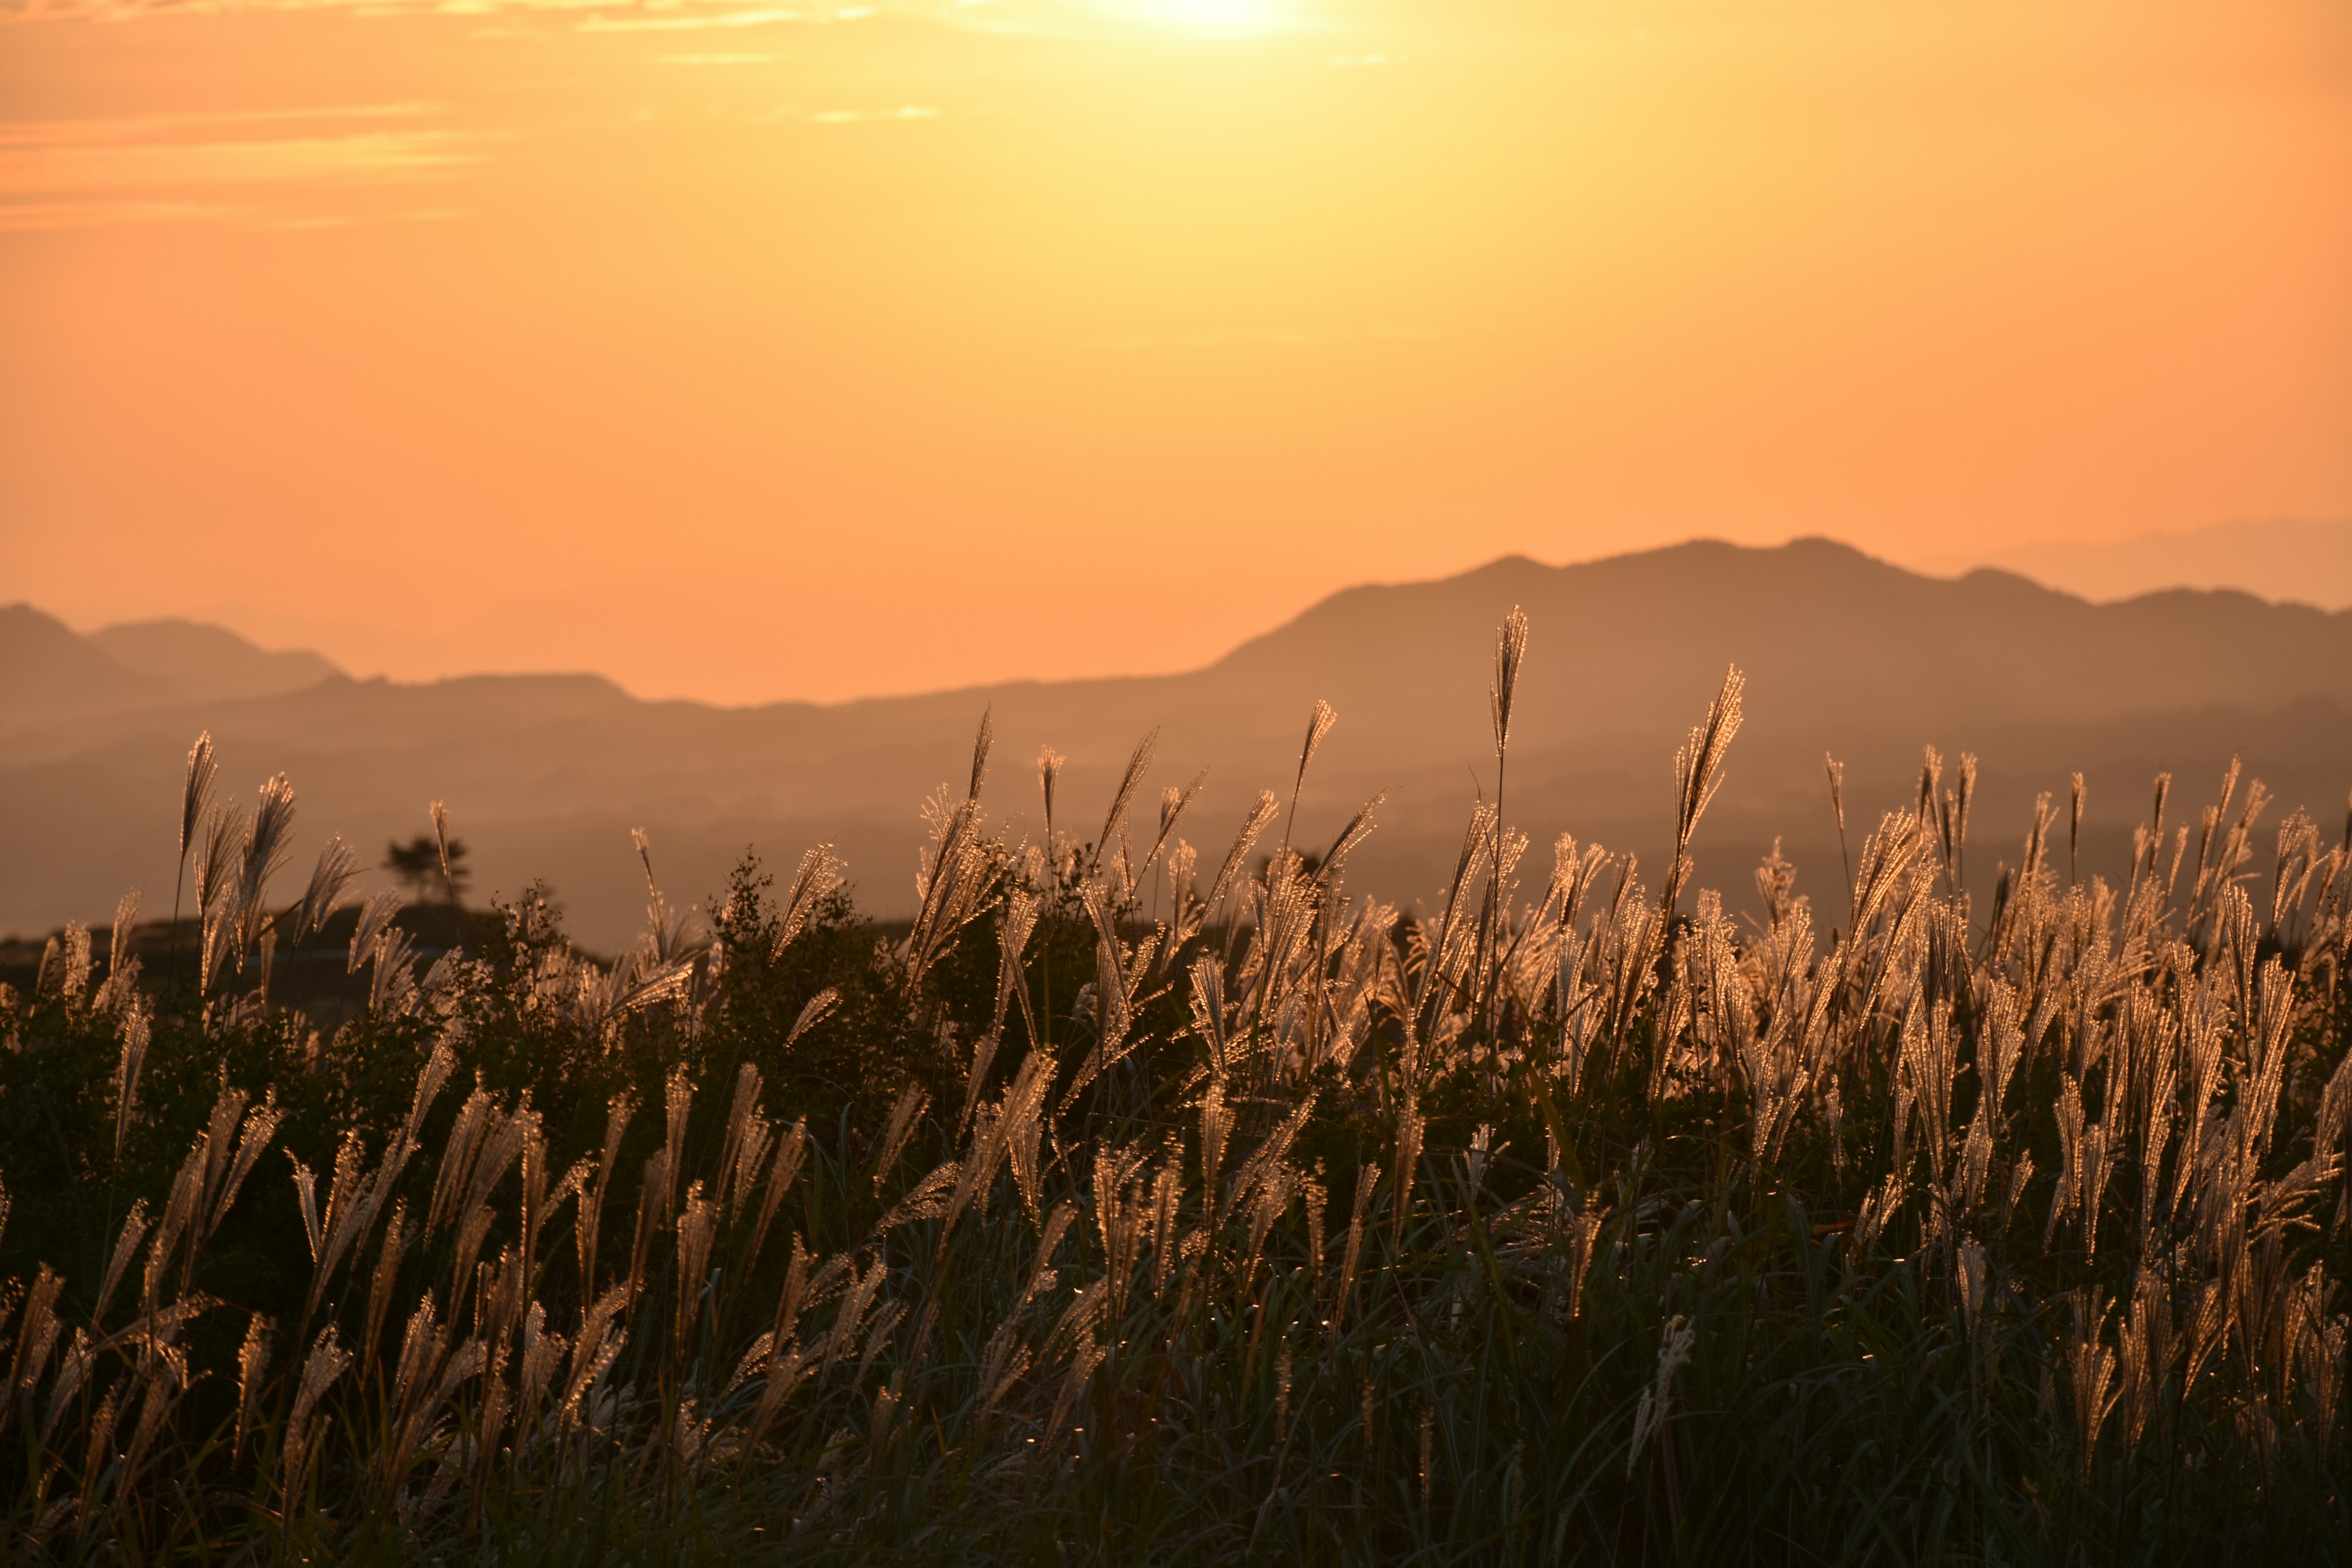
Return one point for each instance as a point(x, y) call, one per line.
point(1137, 1205)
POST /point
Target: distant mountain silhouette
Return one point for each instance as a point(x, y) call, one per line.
point(545, 775)
point(1818, 627)
point(48, 669)
point(2291, 560)
point(208, 663)
point(51, 674)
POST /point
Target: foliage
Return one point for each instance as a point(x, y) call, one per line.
point(1267, 1223)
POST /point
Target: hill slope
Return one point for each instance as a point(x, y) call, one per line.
point(49, 672)
point(2304, 561)
point(208, 663)
point(545, 775)
point(54, 677)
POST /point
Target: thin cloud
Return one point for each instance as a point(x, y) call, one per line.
point(690, 24)
point(699, 21)
point(152, 127)
point(135, 10)
point(78, 174)
point(347, 220)
point(856, 116)
point(107, 166)
point(40, 217)
point(608, 18)
point(713, 59)
point(1258, 336)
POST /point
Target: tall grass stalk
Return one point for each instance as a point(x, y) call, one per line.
point(2018, 1236)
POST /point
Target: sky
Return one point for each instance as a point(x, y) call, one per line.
point(746, 351)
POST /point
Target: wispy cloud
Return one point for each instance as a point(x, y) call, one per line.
point(350, 220)
point(1032, 18)
point(854, 116)
point(71, 174)
point(150, 127)
point(688, 20)
point(38, 217)
point(118, 166)
point(132, 10)
point(1278, 337)
point(668, 22)
point(713, 59)
point(606, 15)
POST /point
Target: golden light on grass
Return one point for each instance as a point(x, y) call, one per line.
point(2049, 1190)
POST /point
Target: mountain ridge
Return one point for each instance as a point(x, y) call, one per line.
point(546, 774)
point(205, 661)
point(2285, 560)
point(49, 670)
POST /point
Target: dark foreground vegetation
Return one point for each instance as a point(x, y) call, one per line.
point(1125, 1207)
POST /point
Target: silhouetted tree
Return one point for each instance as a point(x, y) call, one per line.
point(418, 863)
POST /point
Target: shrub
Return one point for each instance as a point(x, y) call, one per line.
point(1582, 1226)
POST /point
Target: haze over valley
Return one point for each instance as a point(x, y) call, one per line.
point(545, 775)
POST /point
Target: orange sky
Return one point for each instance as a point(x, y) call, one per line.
point(745, 351)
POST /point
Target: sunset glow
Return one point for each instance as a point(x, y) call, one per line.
point(1226, 17)
point(748, 351)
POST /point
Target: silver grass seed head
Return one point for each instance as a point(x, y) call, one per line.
point(1698, 765)
point(1353, 834)
point(440, 813)
point(331, 882)
point(120, 967)
point(216, 856)
point(376, 919)
point(1049, 773)
point(1173, 803)
point(252, 1362)
point(1260, 813)
point(1318, 724)
point(1510, 651)
point(264, 853)
point(273, 820)
point(137, 1030)
point(819, 873)
point(1931, 778)
point(1137, 765)
point(812, 1012)
point(196, 792)
point(326, 1363)
point(637, 836)
point(980, 744)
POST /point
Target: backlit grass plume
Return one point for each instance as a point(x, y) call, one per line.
point(1086, 1216)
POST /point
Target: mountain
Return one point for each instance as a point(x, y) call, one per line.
point(54, 676)
point(1819, 629)
point(49, 671)
point(545, 775)
point(208, 663)
point(2302, 561)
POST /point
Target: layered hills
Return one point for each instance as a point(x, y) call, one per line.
point(545, 775)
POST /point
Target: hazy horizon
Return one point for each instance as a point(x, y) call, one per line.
point(753, 351)
point(1331, 656)
point(2225, 556)
point(548, 777)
